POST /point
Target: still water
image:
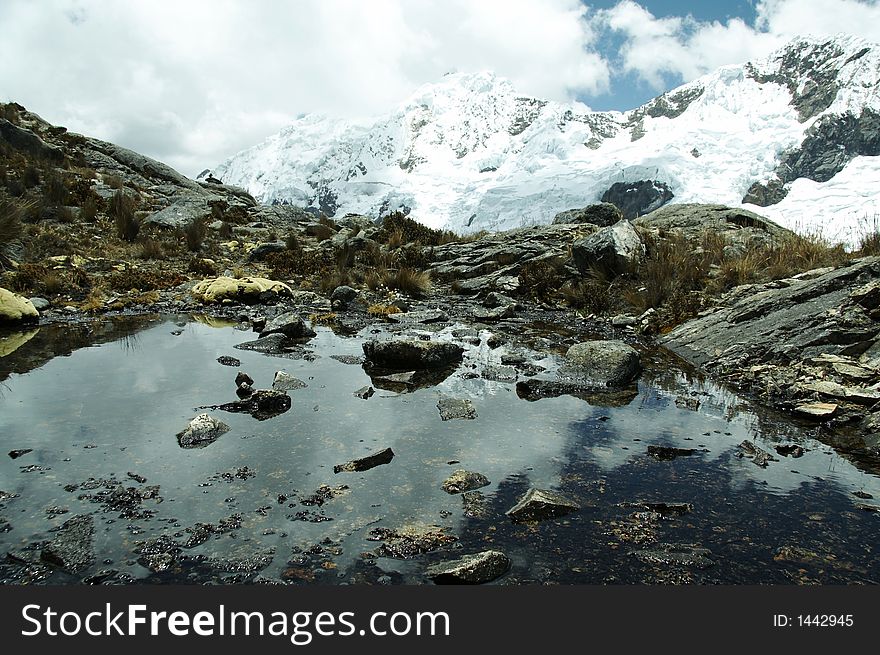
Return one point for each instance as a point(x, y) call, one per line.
point(99, 409)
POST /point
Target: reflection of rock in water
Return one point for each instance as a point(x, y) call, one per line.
point(533, 390)
point(9, 343)
point(406, 381)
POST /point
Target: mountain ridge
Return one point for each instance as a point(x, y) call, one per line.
point(471, 153)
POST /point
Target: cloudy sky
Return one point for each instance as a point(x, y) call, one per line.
point(192, 82)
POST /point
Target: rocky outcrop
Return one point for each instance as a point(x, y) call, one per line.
point(29, 143)
point(797, 342)
point(16, 309)
point(638, 198)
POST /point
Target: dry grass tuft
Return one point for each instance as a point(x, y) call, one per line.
point(408, 280)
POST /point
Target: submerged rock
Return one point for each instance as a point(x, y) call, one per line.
point(668, 453)
point(15, 454)
point(478, 568)
point(540, 504)
point(758, 455)
point(71, 549)
point(226, 360)
point(455, 408)
point(533, 390)
point(676, 555)
point(201, 431)
point(408, 354)
point(365, 463)
point(461, 481)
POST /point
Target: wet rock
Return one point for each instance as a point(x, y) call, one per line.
point(685, 555)
point(71, 548)
point(758, 455)
point(364, 393)
point(668, 453)
point(324, 494)
point(226, 360)
point(285, 382)
point(342, 297)
point(455, 408)
point(202, 431)
point(278, 345)
point(541, 504)
point(384, 456)
point(603, 214)
point(15, 454)
point(247, 289)
point(461, 481)
point(408, 354)
point(410, 541)
point(421, 316)
point(664, 508)
point(486, 315)
point(864, 495)
point(478, 568)
point(16, 309)
point(263, 404)
point(290, 324)
point(790, 450)
point(243, 378)
point(244, 390)
point(614, 250)
point(608, 363)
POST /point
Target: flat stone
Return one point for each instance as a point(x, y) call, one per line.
point(478, 568)
point(461, 481)
point(364, 393)
point(816, 410)
point(384, 456)
point(408, 354)
point(226, 360)
point(540, 504)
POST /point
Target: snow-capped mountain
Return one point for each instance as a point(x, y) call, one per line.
point(797, 133)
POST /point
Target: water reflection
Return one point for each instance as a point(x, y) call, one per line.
point(112, 414)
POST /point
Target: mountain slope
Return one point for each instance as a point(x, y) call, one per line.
point(796, 133)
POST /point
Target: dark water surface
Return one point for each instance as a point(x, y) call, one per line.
point(113, 408)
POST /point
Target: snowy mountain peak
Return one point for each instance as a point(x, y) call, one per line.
point(796, 133)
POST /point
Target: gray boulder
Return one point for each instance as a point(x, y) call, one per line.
point(186, 210)
point(638, 198)
point(203, 430)
point(603, 363)
point(478, 568)
point(290, 324)
point(614, 250)
point(409, 354)
point(342, 297)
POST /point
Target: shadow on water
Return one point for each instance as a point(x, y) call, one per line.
point(93, 430)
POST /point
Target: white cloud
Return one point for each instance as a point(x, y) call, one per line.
point(679, 48)
point(193, 82)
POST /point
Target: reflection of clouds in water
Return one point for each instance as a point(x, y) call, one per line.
point(139, 398)
point(655, 419)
